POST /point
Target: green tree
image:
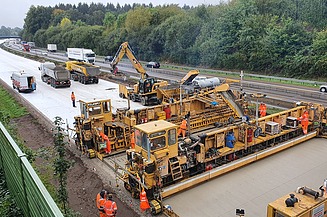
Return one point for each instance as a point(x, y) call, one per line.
point(37, 18)
point(61, 164)
point(109, 20)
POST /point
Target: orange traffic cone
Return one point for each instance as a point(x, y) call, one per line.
point(144, 203)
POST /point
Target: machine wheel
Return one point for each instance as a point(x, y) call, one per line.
point(143, 101)
point(83, 80)
point(323, 89)
point(133, 98)
point(96, 81)
point(127, 187)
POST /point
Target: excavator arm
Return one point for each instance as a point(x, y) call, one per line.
point(126, 49)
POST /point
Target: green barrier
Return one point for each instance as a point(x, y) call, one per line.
point(22, 181)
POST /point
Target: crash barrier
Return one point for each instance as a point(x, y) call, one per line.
point(23, 182)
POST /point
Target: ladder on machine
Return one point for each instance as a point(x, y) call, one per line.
point(175, 168)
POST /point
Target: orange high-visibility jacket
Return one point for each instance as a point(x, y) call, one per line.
point(183, 125)
point(72, 96)
point(100, 204)
point(110, 208)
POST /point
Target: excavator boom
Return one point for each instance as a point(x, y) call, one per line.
point(126, 49)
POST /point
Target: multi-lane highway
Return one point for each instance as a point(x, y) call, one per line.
point(249, 188)
point(290, 93)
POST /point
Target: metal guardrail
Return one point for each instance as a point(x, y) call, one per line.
point(22, 181)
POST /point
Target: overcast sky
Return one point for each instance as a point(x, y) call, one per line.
point(13, 12)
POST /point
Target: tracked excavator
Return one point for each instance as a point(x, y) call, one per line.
point(144, 90)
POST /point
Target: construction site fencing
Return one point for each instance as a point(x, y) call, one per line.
point(23, 182)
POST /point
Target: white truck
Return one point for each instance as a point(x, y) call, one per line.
point(56, 76)
point(23, 82)
point(81, 55)
point(52, 48)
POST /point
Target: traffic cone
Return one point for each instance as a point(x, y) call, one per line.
point(144, 203)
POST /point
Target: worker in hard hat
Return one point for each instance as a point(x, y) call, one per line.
point(100, 201)
point(304, 121)
point(144, 203)
point(182, 128)
point(72, 97)
point(132, 139)
point(110, 207)
point(263, 110)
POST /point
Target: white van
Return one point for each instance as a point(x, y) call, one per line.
point(23, 82)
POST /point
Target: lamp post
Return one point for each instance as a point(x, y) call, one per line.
point(257, 96)
point(241, 81)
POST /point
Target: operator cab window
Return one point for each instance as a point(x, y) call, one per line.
point(172, 137)
point(157, 143)
point(95, 110)
point(106, 107)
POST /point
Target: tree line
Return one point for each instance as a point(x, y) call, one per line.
point(7, 31)
point(276, 37)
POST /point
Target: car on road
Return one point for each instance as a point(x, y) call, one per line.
point(323, 88)
point(108, 58)
point(153, 65)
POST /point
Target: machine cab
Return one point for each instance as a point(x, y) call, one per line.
point(145, 86)
point(98, 112)
point(156, 138)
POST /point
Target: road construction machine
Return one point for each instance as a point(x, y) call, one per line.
point(83, 72)
point(163, 164)
point(90, 132)
point(55, 75)
point(208, 109)
point(304, 202)
point(144, 90)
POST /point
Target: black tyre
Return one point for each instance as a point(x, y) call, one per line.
point(323, 89)
point(143, 101)
point(133, 98)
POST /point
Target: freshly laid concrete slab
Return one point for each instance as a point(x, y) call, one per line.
point(254, 186)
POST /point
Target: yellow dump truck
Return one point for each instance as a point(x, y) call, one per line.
point(85, 73)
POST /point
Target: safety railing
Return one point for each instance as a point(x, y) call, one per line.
point(22, 181)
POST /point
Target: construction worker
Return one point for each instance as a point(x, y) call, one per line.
point(100, 201)
point(144, 203)
point(182, 128)
point(263, 110)
point(110, 207)
point(132, 139)
point(304, 121)
point(105, 139)
point(72, 96)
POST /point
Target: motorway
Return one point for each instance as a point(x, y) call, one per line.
point(250, 187)
point(289, 93)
